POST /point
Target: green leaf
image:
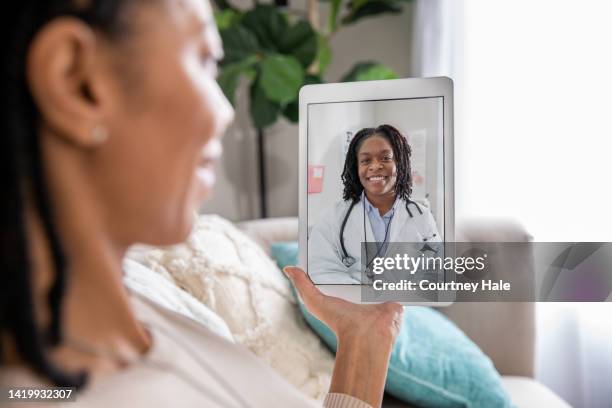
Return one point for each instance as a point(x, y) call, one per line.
point(263, 111)
point(332, 22)
point(267, 24)
point(250, 74)
point(238, 44)
point(230, 75)
point(359, 9)
point(369, 71)
point(377, 72)
point(281, 77)
point(292, 110)
point(324, 55)
point(226, 18)
point(300, 40)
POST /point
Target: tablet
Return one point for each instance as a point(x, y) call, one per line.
point(376, 188)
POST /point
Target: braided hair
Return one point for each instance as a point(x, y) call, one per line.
point(23, 181)
point(401, 154)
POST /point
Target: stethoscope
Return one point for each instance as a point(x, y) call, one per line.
point(347, 259)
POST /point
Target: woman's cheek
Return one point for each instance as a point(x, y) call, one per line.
point(218, 111)
point(210, 114)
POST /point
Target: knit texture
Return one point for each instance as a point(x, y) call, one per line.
point(231, 275)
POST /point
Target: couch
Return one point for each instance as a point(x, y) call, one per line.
point(504, 331)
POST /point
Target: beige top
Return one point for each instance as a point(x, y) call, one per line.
point(187, 366)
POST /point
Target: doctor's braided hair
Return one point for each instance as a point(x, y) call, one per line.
point(401, 155)
point(23, 181)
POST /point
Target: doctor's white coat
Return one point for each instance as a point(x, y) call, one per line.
point(325, 253)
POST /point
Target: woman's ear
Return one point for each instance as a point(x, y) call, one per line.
point(65, 79)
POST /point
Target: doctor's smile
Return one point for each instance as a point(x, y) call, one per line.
point(377, 180)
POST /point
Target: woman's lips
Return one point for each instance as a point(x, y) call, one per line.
point(206, 175)
point(205, 172)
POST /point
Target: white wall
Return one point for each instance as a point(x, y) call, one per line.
point(327, 126)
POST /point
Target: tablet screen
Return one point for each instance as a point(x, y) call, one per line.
point(375, 175)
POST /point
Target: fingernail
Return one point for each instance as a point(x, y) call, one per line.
point(288, 271)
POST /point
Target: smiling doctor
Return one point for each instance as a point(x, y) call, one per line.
point(376, 207)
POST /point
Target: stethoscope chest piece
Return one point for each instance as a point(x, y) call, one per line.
point(348, 261)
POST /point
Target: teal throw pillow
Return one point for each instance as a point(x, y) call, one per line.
point(433, 363)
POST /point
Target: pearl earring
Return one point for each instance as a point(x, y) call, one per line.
point(99, 134)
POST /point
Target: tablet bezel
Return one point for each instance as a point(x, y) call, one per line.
point(370, 91)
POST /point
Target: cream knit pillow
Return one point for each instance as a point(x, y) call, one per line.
point(230, 274)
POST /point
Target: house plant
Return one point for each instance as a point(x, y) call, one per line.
point(279, 50)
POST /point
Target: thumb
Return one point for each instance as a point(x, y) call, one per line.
point(306, 289)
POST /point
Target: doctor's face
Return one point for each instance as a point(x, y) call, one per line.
point(376, 166)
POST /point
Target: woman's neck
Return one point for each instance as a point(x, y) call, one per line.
point(383, 202)
point(96, 306)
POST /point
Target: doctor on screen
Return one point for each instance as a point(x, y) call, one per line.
point(376, 207)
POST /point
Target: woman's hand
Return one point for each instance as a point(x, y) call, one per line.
point(381, 321)
point(365, 334)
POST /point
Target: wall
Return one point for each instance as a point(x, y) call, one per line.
point(385, 39)
point(327, 126)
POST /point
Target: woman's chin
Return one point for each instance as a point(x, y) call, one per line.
point(178, 229)
point(377, 191)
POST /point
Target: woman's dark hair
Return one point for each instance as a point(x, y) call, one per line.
point(23, 181)
point(401, 154)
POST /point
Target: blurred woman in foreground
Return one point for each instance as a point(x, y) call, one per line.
point(112, 131)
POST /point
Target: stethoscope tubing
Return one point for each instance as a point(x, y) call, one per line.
point(348, 260)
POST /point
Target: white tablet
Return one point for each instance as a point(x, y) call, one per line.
point(376, 191)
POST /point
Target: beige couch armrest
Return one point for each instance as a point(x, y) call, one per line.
point(505, 331)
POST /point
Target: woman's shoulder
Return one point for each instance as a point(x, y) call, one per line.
point(419, 208)
point(20, 376)
point(420, 205)
point(343, 205)
point(150, 291)
point(331, 215)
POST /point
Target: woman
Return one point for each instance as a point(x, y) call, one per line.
point(376, 207)
point(113, 129)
